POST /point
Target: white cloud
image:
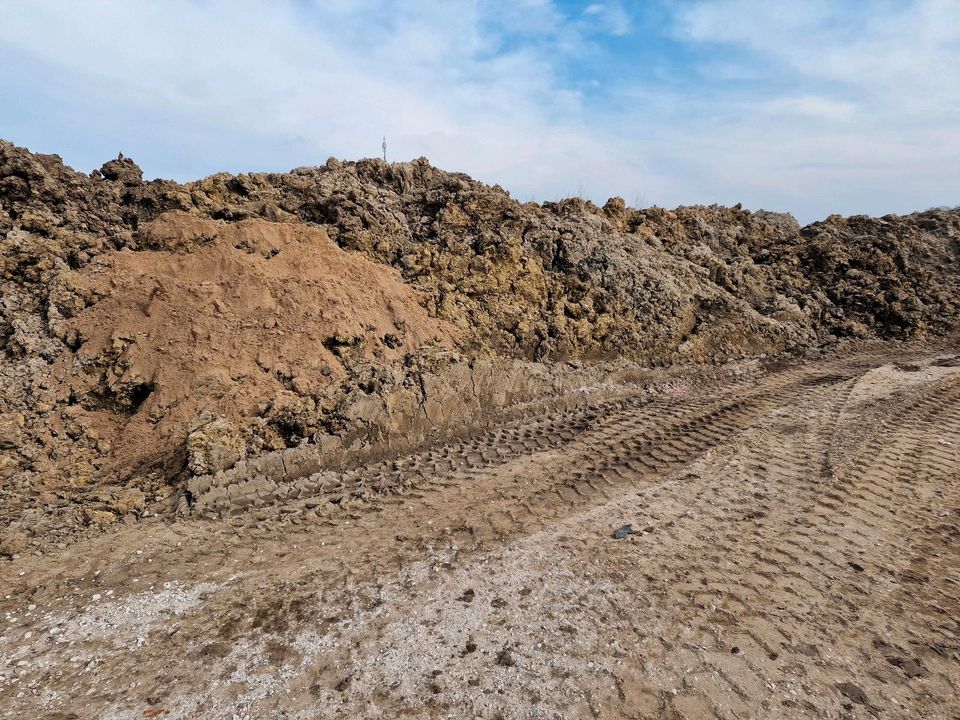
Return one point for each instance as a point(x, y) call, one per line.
point(797, 108)
point(892, 50)
point(811, 106)
point(439, 80)
point(865, 95)
point(612, 17)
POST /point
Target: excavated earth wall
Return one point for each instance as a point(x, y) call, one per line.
point(444, 425)
point(265, 327)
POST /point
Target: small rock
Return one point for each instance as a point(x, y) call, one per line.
point(853, 691)
point(505, 657)
point(127, 500)
point(98, 518)
point(214, 444)
point(622, 532)
point(122, 170)
point(12, 543)
point(911, 667)
point(9, 433)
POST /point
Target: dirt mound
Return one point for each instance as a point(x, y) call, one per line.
point(225, 319)
point(571, 279)
point(153, 330)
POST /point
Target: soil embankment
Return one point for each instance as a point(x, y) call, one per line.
point(152, 331)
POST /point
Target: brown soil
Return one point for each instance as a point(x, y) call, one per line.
point(225, 318)
point(356, 441)
point(793, 555)
point(151, 331)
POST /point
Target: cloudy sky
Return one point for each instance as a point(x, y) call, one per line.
point(809, 106)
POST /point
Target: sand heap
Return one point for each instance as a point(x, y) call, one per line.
point(150, 330)
point(228, 319)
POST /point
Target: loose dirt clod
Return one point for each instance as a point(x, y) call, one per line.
point(505, 657)
point(854, 692)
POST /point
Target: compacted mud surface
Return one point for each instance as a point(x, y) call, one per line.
point(792, 552)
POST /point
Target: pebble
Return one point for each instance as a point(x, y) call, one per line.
point(96, 596)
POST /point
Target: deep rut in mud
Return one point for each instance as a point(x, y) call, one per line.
point(794, 554)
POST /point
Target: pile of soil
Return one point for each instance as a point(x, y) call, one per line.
point(153, 330)
point(224, 318)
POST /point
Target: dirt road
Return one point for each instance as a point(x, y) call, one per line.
point(795, 552)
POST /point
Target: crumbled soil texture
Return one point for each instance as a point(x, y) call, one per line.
point(153, 331)
point(794, 555)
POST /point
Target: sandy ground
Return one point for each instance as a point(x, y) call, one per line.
point(795, 553)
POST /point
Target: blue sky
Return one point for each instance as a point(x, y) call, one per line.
point(810, 107)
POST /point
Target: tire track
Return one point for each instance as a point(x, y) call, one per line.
point(596, 450)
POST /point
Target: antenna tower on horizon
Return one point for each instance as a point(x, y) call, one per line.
point(384, 146)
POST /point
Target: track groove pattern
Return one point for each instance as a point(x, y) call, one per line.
point(795, 554)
